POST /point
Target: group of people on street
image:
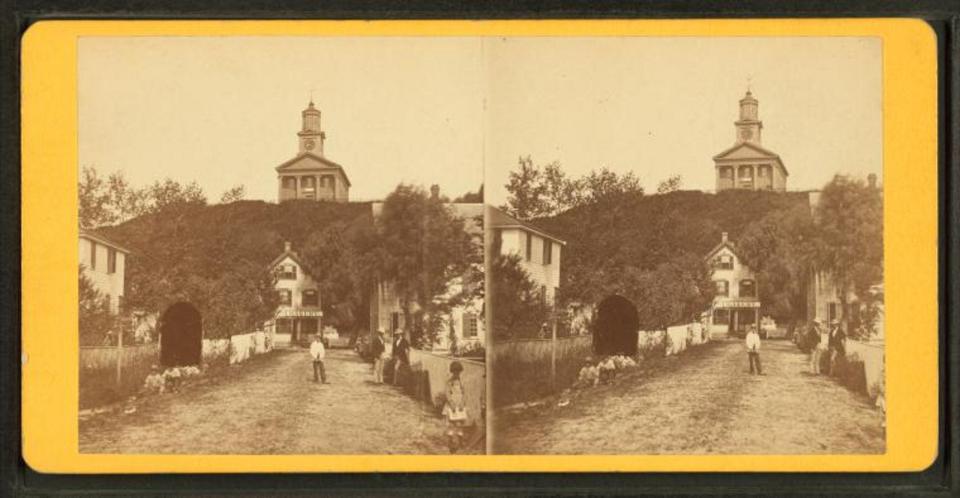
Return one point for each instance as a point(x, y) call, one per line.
point(400, 353)
point(829, 343)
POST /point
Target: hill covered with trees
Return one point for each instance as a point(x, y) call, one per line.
point(216, 256)
point(650, 248)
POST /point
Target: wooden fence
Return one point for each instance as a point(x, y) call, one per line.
point(100, 379)
point(525, 369)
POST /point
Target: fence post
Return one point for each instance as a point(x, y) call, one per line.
point(119, 357)
point(553, 356)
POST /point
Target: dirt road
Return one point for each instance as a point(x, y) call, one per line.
point(270, 405)
point(704, 402)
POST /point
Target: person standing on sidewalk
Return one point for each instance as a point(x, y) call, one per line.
point(753, 349)
point(819, 338)
point(318, 353)
point(379, 351)
point(837, 344)
point(401, 355)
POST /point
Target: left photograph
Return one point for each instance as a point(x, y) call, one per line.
point(281, 245)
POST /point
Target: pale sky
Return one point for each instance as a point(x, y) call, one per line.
point(458, 111)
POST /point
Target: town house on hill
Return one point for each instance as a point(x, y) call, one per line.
point(736, 304)
point(298, 313)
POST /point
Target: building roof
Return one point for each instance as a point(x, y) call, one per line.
point(329, 164)
point(724, 242)
point(496, 218)
point(289, 253)
point(762, 151)
point(95, 235)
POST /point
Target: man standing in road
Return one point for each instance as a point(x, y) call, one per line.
point(401, 355)
point(753, 349)
point(378, 351)
point(318, 353)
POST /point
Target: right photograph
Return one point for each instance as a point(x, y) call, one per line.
point(684, 245)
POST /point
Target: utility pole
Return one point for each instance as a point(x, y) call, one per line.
point(119, 357)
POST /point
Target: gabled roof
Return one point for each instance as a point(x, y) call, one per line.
point(95, 235)
point(296, 259)
point(756, 148)
point(729, 245)
point(499, 219)
point(309, 155)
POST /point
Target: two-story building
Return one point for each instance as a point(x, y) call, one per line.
point(298, 314)
point(736, 304)
point(104, 263)
point(465, 322)
point(539, 251)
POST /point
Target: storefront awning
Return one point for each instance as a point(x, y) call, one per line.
point(726, 304)
point(287, 313)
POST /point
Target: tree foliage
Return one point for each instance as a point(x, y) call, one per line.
point(234, 194)
point(422, 246)
point(112, 200)
point(849, 222)
point(671, 184)
point(519, 309)
point(536, 192)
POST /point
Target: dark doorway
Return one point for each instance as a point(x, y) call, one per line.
point(181, 336)
point(616, 327)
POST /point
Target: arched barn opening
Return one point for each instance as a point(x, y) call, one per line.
point(615, 330)
point(181, 335)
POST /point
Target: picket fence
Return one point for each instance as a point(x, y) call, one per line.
point(101, 381)
point(525, 369)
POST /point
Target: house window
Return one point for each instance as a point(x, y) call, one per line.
point(111, 260)
point(547, 251)
point(307, 182)
point(723, 287)
point(290, 182)
point(469, 325)
point(287, 272)
point(529, 246)
point(726, 172)
point(723, 262)
point(285, 297)
point(310, 298)
point(326, 181)
point(721, 317)
point(748, 288)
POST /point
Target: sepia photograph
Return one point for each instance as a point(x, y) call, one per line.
point(286, 247)
point(686, 246)
point(281, 246)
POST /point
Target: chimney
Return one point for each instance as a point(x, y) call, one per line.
point(435, 191)
point(872, 180)
point(723, 237)
point(286, 246)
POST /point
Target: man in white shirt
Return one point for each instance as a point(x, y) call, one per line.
point(318, 353)
point(753, 349)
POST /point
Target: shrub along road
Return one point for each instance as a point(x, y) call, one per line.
point(270, 405)
point(703, 402)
